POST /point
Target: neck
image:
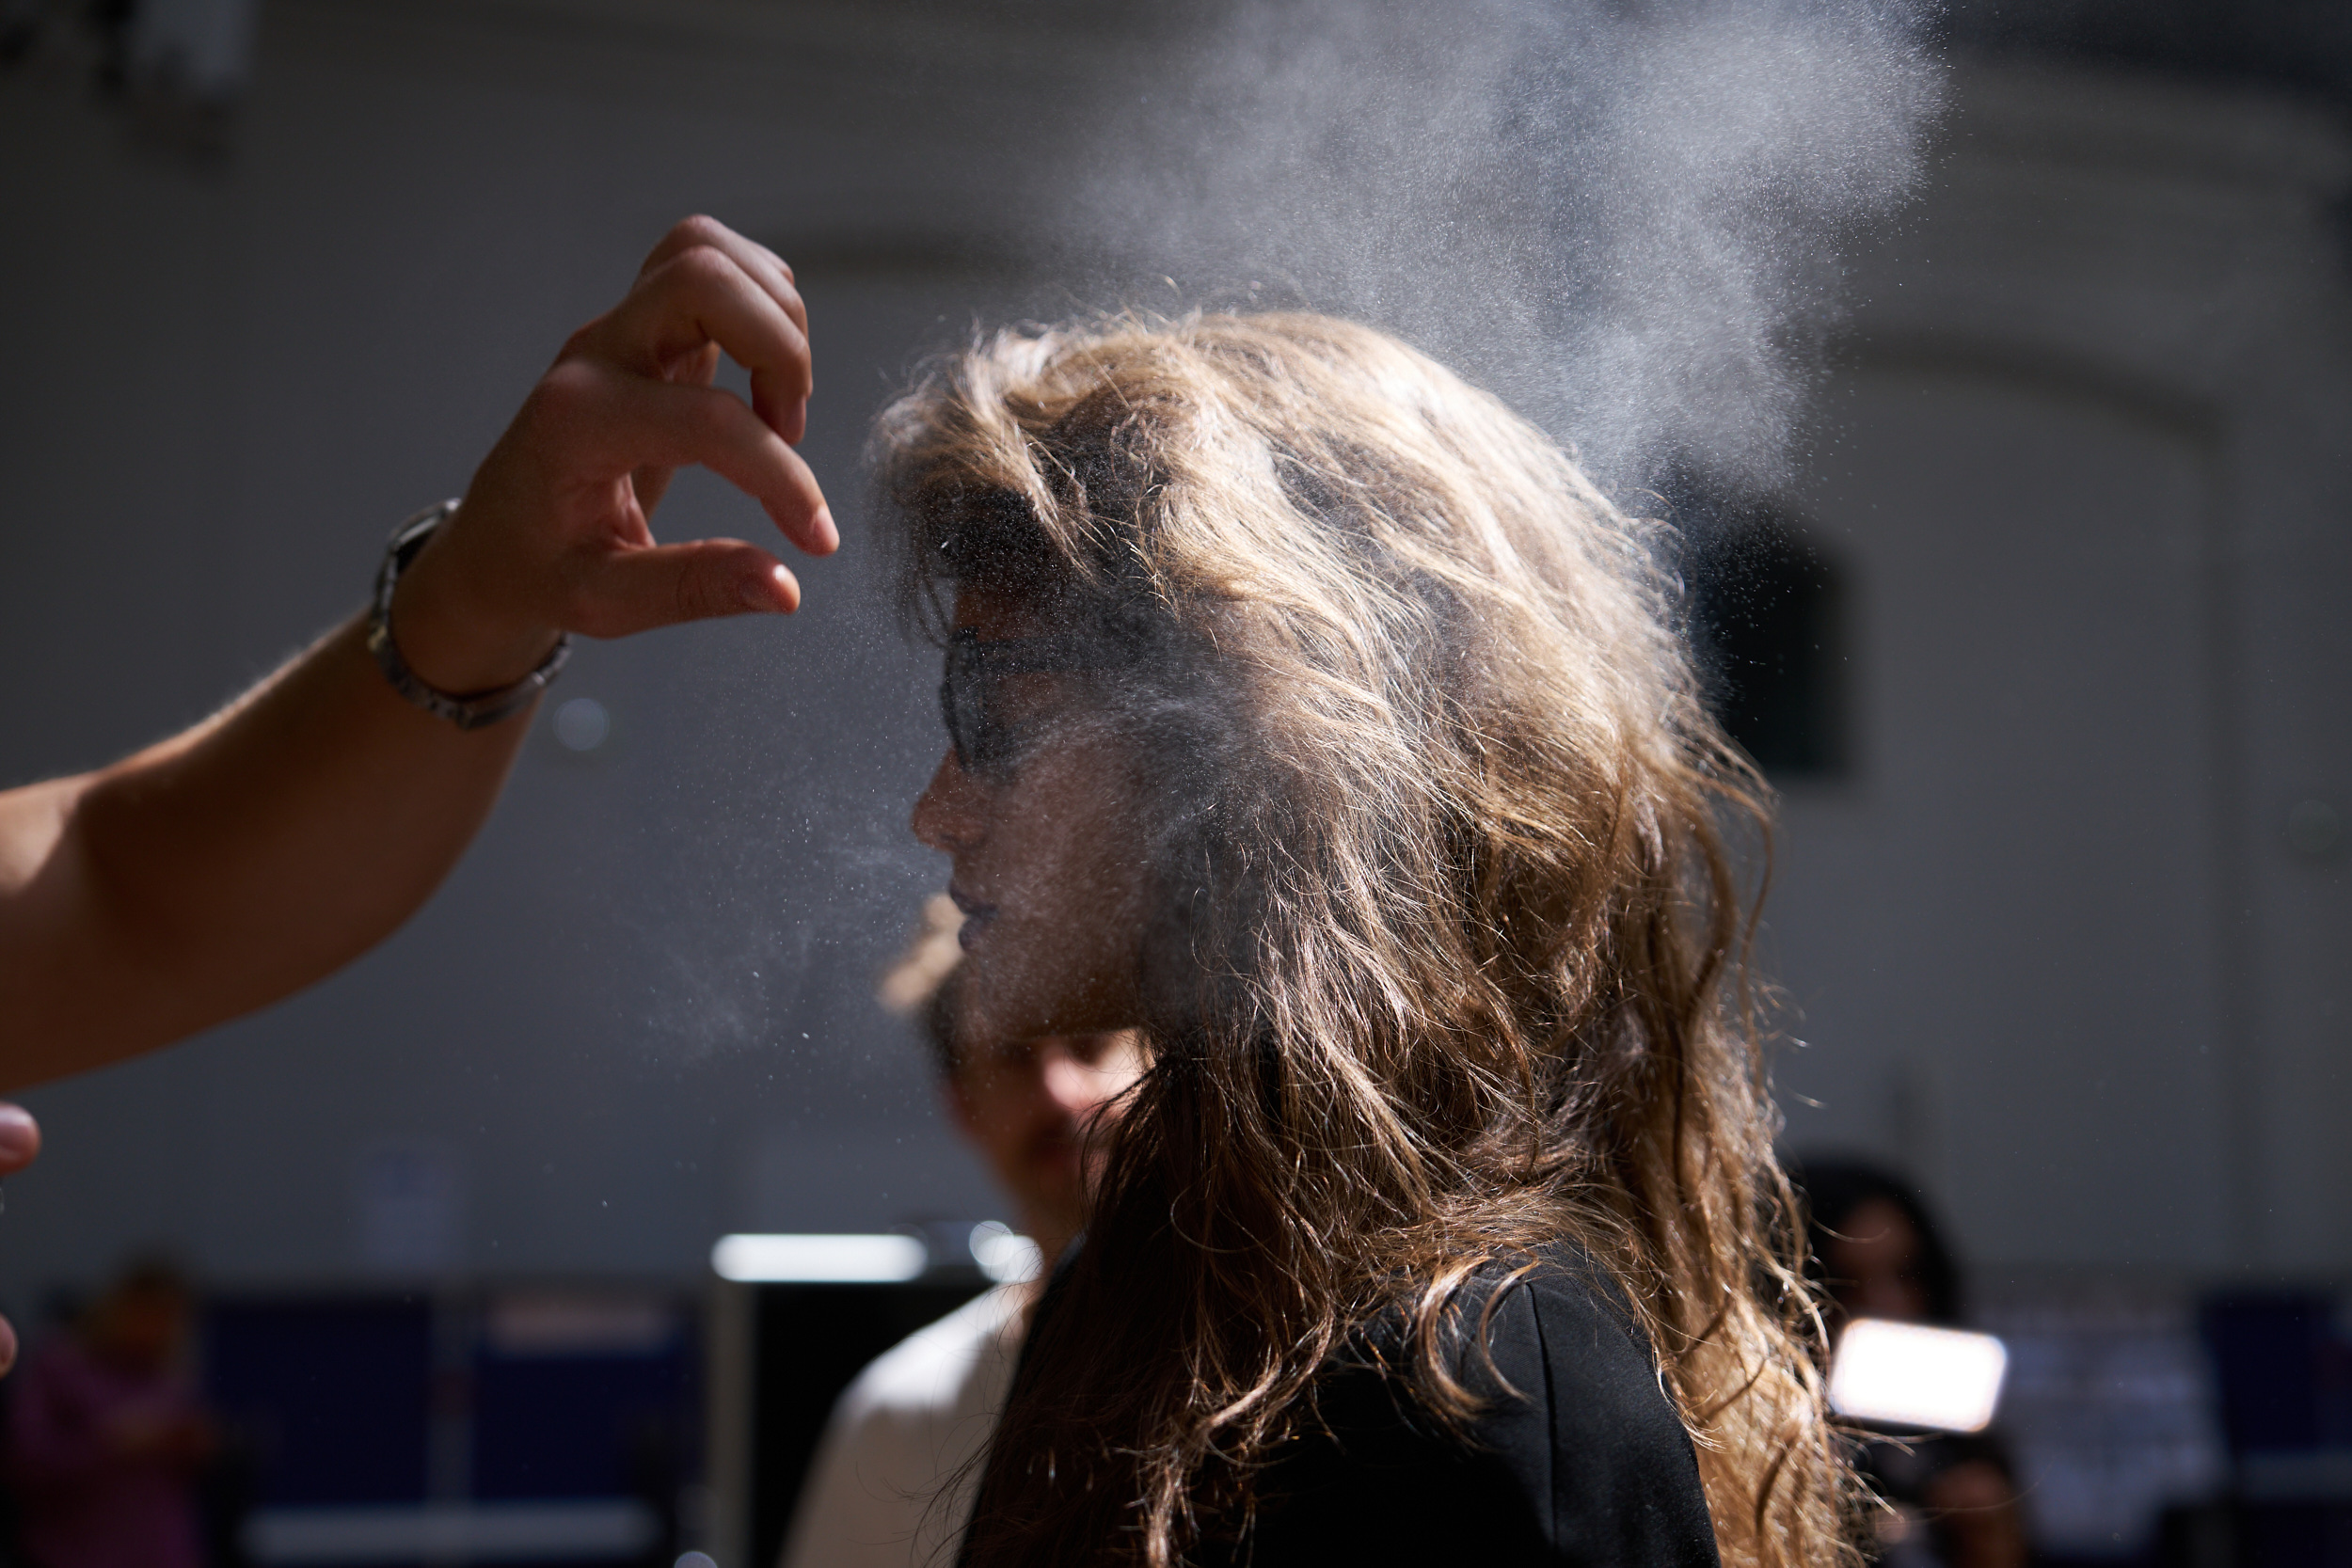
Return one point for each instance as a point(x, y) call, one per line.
point(1052, 1242)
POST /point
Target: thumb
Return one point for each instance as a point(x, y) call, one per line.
point(636, 591)
point(20, 1138)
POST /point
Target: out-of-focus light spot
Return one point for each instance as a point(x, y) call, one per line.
point(582, 725)
point(1003, 1254)
point(1911, 1376)
point(695, 1559)
point(820, 1259)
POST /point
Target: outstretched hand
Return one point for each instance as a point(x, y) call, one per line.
point(247, 857)
point(554, 532)
point(19, 1141)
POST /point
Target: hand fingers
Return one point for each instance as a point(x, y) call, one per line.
point(635, 591)
point(763, 266)
point(19, 1141)
point(694, 368)
point(753, 257)
point(20, 1138)
point(651, 484)
point(704, 296)
point(645, 424)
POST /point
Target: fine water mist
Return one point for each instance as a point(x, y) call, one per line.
point(1624, 218)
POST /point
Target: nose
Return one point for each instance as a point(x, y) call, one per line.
point(947, 816)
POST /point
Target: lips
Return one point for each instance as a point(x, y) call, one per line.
point(976, 916)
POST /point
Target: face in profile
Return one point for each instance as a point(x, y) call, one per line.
point(1034, 1107)
point(1040, 811)
point(1873, 1263)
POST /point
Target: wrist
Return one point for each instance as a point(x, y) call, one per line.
point(461, 644)
point(456, 637)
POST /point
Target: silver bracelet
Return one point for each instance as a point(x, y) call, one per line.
point(472, 712)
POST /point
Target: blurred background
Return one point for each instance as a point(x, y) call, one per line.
point(2031, 597)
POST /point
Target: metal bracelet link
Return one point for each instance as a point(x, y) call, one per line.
point(472, 711)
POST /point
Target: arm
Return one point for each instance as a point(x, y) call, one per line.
point(227, 866)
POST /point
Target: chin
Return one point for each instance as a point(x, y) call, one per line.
point(984, 1015)
point(997, 1005)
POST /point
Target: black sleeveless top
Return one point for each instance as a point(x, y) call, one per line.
point(1581, 1460)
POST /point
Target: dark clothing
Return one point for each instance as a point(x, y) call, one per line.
point(1905, 1473)
point(1580, 1461)
point(1588, 1464)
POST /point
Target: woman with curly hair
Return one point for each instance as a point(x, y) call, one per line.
point(1313, 714)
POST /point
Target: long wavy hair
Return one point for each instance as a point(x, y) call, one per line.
point(1449, 956)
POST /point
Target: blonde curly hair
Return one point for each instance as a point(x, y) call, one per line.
point(1451, 962)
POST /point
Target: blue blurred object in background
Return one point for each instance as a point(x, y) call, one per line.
point(2283, 1364)
point(549, 1426)
point(333, 1394)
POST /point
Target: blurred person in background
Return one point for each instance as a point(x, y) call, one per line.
point(892, 1483)
point(1878, 1254)
point(106, 1438)
point(257, 852)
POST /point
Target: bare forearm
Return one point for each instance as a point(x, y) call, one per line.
point(209, 875)
point(216, 872)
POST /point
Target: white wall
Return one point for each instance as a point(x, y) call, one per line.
point(2083, 464)
point(2085, 460)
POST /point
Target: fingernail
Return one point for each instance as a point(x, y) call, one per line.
point(20, 1136)
point(827, 534)
point(774, 595)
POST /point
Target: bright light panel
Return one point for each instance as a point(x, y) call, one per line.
point(820, 1259)
point(1911, 1376)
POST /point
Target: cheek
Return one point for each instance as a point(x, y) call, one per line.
point(1066, 852)
point(1005, 1124)
point(1100, 851)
